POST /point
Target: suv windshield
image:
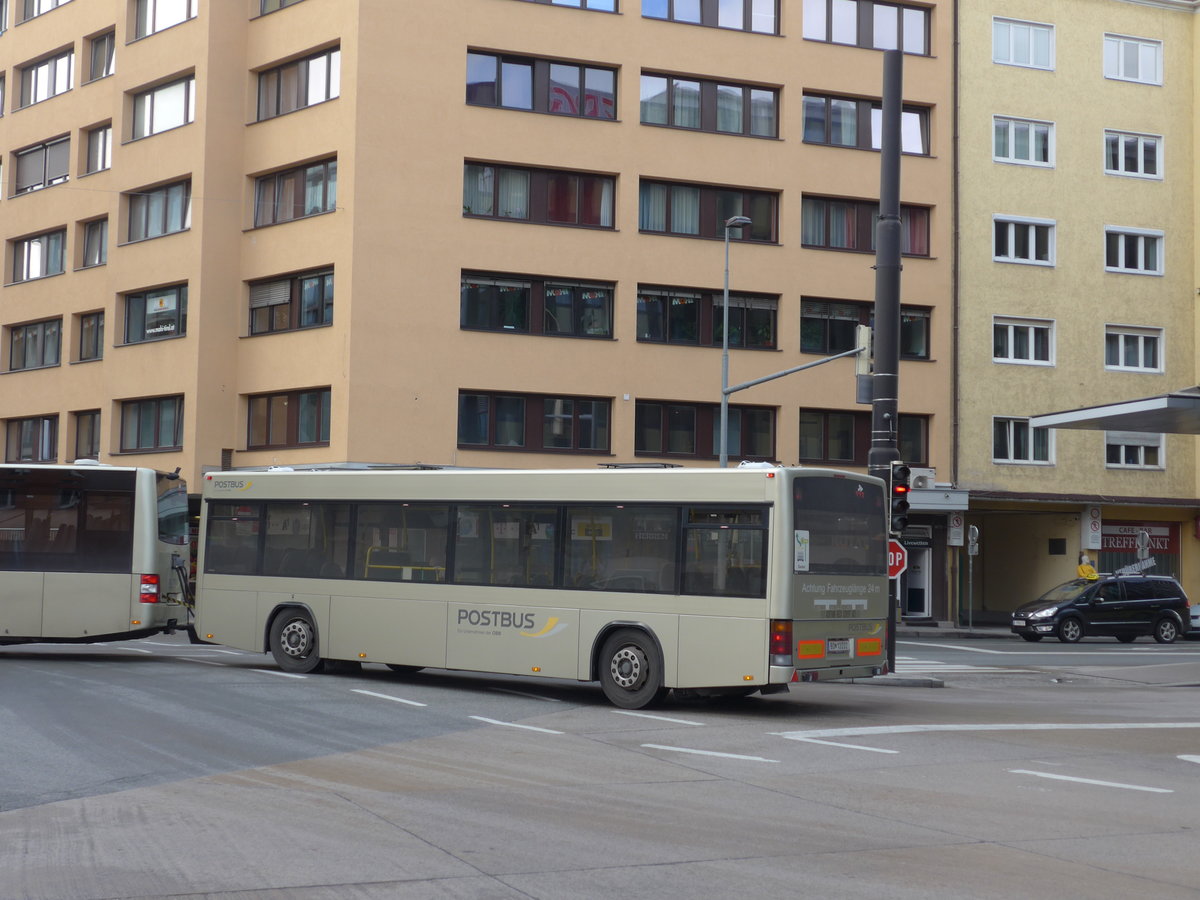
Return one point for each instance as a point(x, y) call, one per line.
point(1072, 590)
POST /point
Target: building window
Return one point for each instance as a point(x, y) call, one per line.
point(1133, 251)
point(35, 346)
point(286, 304)
point(91, 336)
point(296, 193)
point(165, 107)
point(153, 424)
point(841, 437)
point(1133, 154)
point(1013, 441)
point(1022, 141)
point(830, 223)
point(158, 211)
point(296, 85)
point(694, 430)
point(1133, 450)
point(103, 55)
point(1023, 241)
point(702, 210)
point(95, 243)
point(543, 196)
point(272, 5)
point(87, 434)
point(598, 5)
point(99, 148)
point(1131, 349)
point(288, 419)
point(671, 316)
point(540, 85)
point(828, 327)
point(38, 256)
point(32, 440)
point(156, 15)
point(761, 16)
point(1133, 59)
point(2, 93)
point(865, 23)
point(528, 305)
point(154, 315)
point(47, 78)
point(31, 8)
point(533, 422)
point(1027, 44)
point(42, 165)
point(1024, 341)
point(847, 122)
point(709, 105)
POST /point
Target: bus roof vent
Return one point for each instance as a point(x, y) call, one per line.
point(87, 462)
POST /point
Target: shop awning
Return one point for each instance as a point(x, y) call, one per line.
point(1175, 413)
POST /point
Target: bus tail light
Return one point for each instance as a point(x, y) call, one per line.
point(781, 642)
point(148, 589)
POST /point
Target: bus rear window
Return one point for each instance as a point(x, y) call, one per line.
point(844, 523)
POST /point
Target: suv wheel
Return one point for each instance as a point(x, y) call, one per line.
point(1070, 630)
point(1166, 630)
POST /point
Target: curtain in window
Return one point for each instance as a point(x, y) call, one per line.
point(729, 108)
point(914, 226)
point(510, 422)
point(843, 225)
point(685, 210)
point(813, 223)
point(654, 99)
point(477, 190)
point(562, 196)
point(762, 113)
point(513, 194)
point(686, 97)
point(652, 207)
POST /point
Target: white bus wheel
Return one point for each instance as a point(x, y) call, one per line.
point(631, 670)
point(294, 642)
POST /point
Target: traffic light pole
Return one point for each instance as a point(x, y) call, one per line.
point(885, 380)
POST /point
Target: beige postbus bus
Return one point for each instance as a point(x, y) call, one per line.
point(90, 552)
point(707, 580)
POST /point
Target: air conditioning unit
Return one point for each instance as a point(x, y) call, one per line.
point(922, 479)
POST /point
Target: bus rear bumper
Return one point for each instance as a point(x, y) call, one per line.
point(792, 675)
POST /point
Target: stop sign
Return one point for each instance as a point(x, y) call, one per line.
point(897, 559)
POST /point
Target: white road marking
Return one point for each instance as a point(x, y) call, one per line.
point(389, 697)
point(920, 729)
point(130, 649)
point(939, 644)
point(1195, 759)
point(275, 672)
point(849, 746)
point(627, 712)
point(1112, 784)
point(1124, 650)
point(907, 665)
point(526, 694)
point(515, 725)
point(708, 753)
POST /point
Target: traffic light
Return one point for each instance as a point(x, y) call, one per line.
point(900, 489)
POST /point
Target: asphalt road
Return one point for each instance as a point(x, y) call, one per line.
point(161, 769)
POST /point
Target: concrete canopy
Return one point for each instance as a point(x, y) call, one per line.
point(1175, 413)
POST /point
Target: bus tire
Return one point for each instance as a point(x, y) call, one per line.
point(294, 642)
point(631, 670)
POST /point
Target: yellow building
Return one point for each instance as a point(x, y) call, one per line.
point(480, 233)
point(1076, 286)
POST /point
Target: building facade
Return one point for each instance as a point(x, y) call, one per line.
point(1076, 286)
point(487, 233)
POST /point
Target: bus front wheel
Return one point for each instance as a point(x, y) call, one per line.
point(294, 642)
point(631, 670)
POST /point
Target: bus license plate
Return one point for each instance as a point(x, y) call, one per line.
point(837, 646)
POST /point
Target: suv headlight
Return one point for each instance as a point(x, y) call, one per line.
point(1043, 613)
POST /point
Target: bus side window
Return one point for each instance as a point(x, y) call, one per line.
point(725, 552)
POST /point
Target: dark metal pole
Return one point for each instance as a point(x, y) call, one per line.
point(885, 380)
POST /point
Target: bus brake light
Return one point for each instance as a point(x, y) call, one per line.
point(781, 642)
point(148, 589)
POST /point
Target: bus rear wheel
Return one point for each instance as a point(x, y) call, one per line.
point(294, 642)
point(631, 670)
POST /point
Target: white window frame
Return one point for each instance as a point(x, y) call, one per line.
point(1012, 123)
point(1008, 57)
point(1014, 324)
point(47, 77)
point(1115, 47)
point(39, 256)
point(1011, 423)
point(153, 16)
point(99, 148)
point(1144, 234)
point(1143, 139)
point(1141, 335)
point(1015, 222)
point(145, 103)
point(1140, 440)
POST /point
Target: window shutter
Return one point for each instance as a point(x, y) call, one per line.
point(57, 156)
point(31, 168)
point(270, 293)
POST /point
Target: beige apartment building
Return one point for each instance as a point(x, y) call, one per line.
point(475, 233)
point(1076, 287)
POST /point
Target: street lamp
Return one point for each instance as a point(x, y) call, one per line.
point(734, 222)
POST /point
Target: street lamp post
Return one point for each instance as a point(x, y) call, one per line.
point(734, 222)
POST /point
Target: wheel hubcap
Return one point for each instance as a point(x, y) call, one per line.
point(296, 639)
point(628, 666)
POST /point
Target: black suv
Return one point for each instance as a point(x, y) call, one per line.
point(1121, 606)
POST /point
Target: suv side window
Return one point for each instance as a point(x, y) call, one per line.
point(1167, 589)
point(1143, 590)
point(1109, 592)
